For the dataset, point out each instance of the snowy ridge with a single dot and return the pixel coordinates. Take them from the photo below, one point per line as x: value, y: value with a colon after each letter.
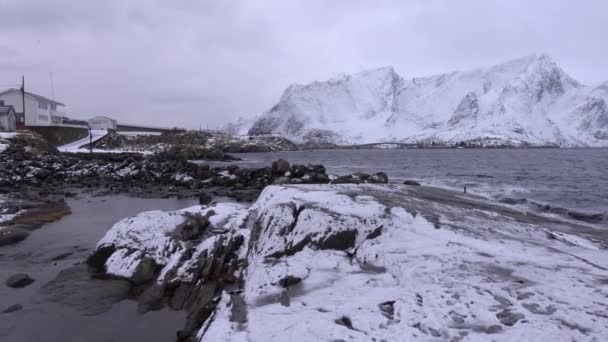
x: 527, y: 101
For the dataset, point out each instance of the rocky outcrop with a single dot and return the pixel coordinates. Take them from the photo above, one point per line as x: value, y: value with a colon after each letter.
x: 181, y: 259
x: 194, y: 140
x: 123, y: 171
x: 361, y: 178
x: 364, y: 262
x: 27, y: 143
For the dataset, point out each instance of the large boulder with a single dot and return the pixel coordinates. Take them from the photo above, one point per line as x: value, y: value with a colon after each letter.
x: 378, y: 178
x: 279, y: 167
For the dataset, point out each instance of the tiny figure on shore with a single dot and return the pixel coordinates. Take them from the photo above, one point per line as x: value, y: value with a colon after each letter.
x: 465, y: 189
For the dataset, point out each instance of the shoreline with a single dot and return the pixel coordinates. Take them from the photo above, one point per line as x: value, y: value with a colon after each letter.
x: 437, y: 209
x: 195, y: 261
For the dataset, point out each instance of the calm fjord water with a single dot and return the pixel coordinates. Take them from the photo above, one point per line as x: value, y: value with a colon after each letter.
x: 568, y: 178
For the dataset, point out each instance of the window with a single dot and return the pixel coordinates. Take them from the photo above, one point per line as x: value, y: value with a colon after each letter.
x: 43, y: 117
x: 43, y: 105
x: 53, y: 107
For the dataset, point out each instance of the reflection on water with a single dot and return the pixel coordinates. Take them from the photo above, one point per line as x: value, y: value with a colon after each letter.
x: 72, y: 308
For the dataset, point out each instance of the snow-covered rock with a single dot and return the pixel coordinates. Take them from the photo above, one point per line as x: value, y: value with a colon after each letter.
x: 376, y: 262
x: 360, y: 263
x: 527, y: 101
x: 163, y: 240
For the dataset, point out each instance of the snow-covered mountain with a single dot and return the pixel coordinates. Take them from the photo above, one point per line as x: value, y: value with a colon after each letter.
x: 240, y: 126
x: 527, y: 101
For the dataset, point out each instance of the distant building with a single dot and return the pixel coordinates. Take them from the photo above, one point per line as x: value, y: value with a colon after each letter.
x: 102, y: 122
x: 8, y: 119
x: 39, y: 110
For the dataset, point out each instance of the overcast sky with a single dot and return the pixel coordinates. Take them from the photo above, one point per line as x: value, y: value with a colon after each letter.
x: 196, y: 63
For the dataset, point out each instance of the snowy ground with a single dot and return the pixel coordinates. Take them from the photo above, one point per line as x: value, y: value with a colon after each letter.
x: 4, y: 137
x: 138, y: 133
x: 389, y: 263
x: 4, y: 212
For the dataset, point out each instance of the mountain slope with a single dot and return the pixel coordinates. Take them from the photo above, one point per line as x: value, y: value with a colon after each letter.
x: 527, y: 101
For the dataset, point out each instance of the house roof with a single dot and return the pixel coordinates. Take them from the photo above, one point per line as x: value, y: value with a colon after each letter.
x: 37, y: 97
x: 6, y: 110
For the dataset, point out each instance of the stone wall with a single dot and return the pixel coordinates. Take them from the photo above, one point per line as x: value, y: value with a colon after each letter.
x: 60, y: 135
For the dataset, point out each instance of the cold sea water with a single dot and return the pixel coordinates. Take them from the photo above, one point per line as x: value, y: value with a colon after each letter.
x: 556, y: 181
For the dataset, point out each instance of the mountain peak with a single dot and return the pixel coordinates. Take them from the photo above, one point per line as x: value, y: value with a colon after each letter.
x: 382, y: 71
x: 527, y: 100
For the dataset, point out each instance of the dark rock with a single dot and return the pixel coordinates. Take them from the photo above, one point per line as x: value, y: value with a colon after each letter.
x: 97, y: 260
x: 179, y: 296
x: 388, y: 309
x: 379, y: 178
x: 204, y: 198
x: 509, y: 318
x: 346, y: 322
x: 346, y: 180
x: 298, y: 171
x: 361, y: 176
x: 151, y: 299
x: 279, y: 167
x: 493, y: 329
x: 12, y: 235
x: 43, y: 174
x: 320, y: 169
x: 340, y: 240
x: 145, y: 271
x: 375, y: 233
x: 13, y: 308
x: 289, y: 280
x: 193, y: 227
x: 19, y: 280
x: 411, y: 182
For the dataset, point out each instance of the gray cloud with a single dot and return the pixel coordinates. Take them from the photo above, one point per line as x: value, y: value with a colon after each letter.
x: 192, y: 63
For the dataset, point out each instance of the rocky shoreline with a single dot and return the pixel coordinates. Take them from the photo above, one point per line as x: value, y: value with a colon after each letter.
x: 304, y: 253
x: 361, y: 262
x: 34, y: 174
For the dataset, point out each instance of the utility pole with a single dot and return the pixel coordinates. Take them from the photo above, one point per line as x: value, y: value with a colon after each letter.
x: 23, y: 97
x: 90, y: 140
x: 52, y: 87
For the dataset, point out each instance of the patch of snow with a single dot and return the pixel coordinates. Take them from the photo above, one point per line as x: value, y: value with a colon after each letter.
x: 138, y: 133
x: 8, y: 135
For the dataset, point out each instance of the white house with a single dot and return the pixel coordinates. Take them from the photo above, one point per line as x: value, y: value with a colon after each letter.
x: 8, y: 121
x: 39, y: 110
x: 102, y: 122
